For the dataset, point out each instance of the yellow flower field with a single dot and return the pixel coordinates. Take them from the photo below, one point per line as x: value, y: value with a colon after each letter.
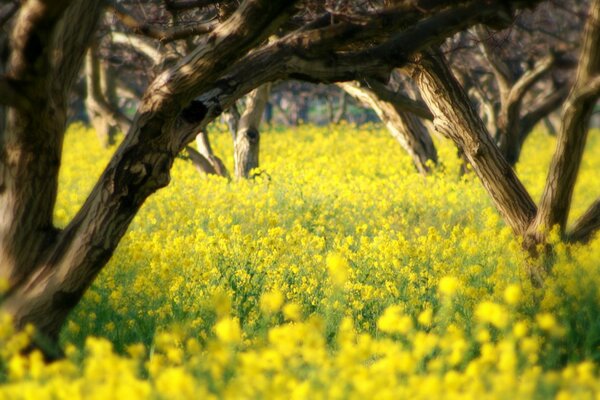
x: 337, y: 273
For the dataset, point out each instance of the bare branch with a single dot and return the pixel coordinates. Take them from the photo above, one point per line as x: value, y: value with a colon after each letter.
x: 402, y: 101
x: 139, y: 43
x: 548, y: 104
x: 530, y: 77
x: 163, y: 35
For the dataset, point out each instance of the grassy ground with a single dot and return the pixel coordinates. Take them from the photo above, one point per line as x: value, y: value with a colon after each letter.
x: 338, y: 273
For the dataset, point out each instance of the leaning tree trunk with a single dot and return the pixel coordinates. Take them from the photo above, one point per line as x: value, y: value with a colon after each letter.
x: 455, y: 118
x: 204, y: 159
x: 247, y: 140
x: 404, y: 126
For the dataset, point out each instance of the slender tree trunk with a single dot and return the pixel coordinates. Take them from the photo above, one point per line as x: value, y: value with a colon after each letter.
x: 405, y: 127
x: 247, y: 141
x: 96, y: 102
x: 342, y: 106
x: 204, y: 158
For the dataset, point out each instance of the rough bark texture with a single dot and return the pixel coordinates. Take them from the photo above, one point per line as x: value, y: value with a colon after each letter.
x: 247, y: 140
x: 455, y: 118
x: 577, y: 111
x: 404, y: 126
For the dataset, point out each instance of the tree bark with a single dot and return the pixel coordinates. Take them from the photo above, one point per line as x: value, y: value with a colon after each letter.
x: 31, y: 144
x: 247, y: 140
x: 405, y: 127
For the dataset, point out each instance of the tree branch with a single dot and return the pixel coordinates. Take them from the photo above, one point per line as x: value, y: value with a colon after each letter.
x: 530, y: 77
x: 587, y: 225
x: 547, y: 105
x: 139, y: 43
x: 399, y: 99
x: 163, y: 35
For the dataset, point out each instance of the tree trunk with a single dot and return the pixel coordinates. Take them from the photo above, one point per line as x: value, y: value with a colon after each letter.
x: 342, y: 106
x: 405, y: 127
x: 204, y: 159
x: 97, y: 103
x: 455, y: 118
x: 247, y: 141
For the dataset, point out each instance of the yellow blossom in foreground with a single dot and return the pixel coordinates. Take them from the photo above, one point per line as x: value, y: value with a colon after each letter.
x: 425, y: 318
x: 394, y: 321
x: 513, y: 294
x: 292, y: 312
x: 203, y: 299
x: 492, y: 313
x: 271, y: 302
x: 228, y: 330
x: 449, y: 285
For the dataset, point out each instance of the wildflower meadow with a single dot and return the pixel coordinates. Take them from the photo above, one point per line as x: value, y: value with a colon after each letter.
x: 337, y: 272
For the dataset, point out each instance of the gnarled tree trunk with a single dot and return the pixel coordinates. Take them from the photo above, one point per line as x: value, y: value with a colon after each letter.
x: 247, y: 138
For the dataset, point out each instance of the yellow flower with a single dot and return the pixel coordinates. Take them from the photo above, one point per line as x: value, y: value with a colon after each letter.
x: 394, y: 321
x: 228, y: 330
x: 492, y: 313
x: 338, y: 268
x: 271, y: 302
x: 425, y: 317
x: 448, y: 285
x: 513, y: 294
x: 292, y: 312
x: 546, y: 321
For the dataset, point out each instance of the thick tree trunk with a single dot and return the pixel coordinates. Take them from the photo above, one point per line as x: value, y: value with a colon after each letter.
x: 455, y: 118
x: 405, y: 127
x: 247, y: 140
x: 31, y: 144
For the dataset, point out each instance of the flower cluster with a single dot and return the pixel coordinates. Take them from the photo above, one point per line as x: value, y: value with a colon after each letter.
x: 338, y: 272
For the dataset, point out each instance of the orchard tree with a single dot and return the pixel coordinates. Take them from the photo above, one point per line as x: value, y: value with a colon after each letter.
x: 49, y: 269
x: 455, y: 117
